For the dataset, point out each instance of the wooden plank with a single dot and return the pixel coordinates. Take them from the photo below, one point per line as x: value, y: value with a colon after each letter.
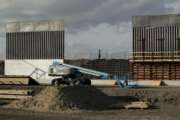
x: 137, y: 105
x: 15, y: 92
x: 15, y: 81
x: 14, y: 97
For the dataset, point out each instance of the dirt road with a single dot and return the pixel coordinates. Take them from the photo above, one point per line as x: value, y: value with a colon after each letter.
x: 168, y: 113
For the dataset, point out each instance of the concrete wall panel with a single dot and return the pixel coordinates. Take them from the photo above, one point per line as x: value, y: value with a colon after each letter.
x: 37, y: 69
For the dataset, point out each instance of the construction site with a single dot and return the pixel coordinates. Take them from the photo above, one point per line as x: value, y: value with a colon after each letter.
x: 38, y: 82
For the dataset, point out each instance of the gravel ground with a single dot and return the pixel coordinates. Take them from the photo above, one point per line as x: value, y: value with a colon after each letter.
x: 167, y: 113
x: 166, y: 107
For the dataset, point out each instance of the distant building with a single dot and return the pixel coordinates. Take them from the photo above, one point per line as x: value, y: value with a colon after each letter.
x: 156, y: 47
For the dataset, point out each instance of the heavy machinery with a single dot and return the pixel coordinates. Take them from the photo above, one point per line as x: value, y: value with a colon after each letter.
x: 73, y: 75
x: 66, y: 75
x: 59, y: 74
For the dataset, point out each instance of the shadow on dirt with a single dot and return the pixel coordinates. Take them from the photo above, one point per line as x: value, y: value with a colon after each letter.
x: 91, y: 98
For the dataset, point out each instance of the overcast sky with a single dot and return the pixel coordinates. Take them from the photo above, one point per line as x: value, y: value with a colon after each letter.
x: 90, y: 24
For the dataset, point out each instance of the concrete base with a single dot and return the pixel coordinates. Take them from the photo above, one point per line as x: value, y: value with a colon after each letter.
x: 103, y: 82
x: 172, y: 82
x: 155, y: 83
x: 37, y: 69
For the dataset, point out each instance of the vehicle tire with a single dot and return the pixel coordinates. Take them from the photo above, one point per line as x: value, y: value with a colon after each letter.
x: 86, y: 81
x: 77, y: 82
x: 71, y: 84
x: 56, y: 82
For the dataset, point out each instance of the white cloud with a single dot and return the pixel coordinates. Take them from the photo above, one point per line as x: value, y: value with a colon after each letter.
x: 174, y: 5
x: 104, y: 22
x: 4, y: 4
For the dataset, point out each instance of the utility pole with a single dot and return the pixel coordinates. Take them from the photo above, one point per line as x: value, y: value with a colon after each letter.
x: 99, y: 54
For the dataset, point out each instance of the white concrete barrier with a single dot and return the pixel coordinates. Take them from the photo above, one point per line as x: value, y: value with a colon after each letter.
x: 172, y: 82
x: 150, y: 83
x: 155, y: 83
x: 99, y: 82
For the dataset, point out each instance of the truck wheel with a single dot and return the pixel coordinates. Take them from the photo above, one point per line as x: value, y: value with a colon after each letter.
x: 71, y: 84
x: 87, y: 82
x: 55, y: 82
x: 77, y: 82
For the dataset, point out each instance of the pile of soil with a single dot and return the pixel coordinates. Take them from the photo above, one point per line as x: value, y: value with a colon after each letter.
x: 65, y: 99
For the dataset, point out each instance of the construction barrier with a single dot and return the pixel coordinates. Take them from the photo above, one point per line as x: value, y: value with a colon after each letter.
x: 99, y: 82
x: 151, y: 83
x: 175, y: 83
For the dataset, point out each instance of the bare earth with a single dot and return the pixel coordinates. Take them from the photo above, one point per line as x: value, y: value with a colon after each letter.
x: 169, y: 113
x: 166, y: 106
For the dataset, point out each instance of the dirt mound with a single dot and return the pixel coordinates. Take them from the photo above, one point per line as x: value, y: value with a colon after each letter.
x: 65, y: 98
